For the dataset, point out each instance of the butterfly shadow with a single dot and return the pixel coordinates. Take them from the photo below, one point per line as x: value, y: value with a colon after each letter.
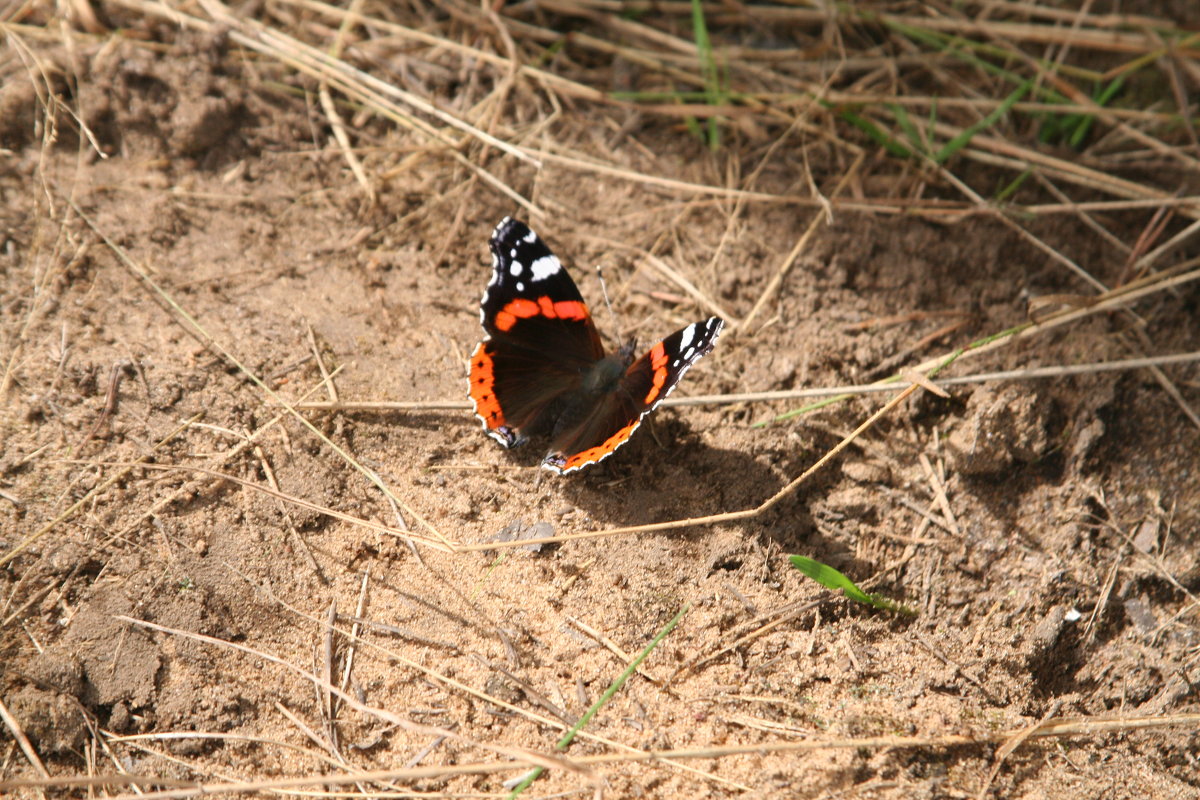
x: 666, y: 473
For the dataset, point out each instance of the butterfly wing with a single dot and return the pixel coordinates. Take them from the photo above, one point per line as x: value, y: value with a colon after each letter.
x: 644, y: 385
x: 541, y: 337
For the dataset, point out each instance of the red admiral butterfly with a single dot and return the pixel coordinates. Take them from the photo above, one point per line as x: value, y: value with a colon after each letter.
x: 542, y: 368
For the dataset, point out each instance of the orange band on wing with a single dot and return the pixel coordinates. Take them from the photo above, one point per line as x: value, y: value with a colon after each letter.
x: 658, y: 363
x: 571, y: 309
x: 524, y: 308
x: 520, y: 308
x: 593, y: 454
x: 483, y: 389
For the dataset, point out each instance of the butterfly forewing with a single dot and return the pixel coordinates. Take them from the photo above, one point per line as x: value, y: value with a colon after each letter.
x: 531, y: 302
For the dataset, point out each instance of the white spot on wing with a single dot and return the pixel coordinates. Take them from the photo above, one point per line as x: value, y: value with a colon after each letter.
x: 516, y: 268
x: 531, y: 237
x: 688, y: 334
x: 520, y: 286
x: 544, y: 267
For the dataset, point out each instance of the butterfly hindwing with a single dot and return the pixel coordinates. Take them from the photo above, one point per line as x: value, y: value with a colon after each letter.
x: 645, y: 384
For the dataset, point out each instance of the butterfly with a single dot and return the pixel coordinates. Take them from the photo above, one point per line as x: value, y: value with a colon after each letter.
x: 542, y: 369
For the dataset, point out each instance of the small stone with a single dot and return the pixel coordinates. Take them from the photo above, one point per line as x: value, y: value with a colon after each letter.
x: 1004, y: 428
x: 1141, y: 614
x: 52, y: 722
x: 1047, y: 632
x: 1146, y: 537
x: 517, y: 529
x: 867, y: 472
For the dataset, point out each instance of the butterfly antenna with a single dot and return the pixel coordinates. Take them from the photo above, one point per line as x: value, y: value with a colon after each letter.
x: 604, y: 291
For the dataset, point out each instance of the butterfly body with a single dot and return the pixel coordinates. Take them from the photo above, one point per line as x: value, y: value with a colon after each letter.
x: 543, y: 369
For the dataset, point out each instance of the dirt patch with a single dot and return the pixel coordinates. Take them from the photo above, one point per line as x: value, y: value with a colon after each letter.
x: 1045, y: 531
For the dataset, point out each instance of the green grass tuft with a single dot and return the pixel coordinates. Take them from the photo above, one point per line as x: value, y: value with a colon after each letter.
x: 830, y: 578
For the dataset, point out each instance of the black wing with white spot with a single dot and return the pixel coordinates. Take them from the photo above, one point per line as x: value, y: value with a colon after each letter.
x: 541, y: 338
x: 532, y: 302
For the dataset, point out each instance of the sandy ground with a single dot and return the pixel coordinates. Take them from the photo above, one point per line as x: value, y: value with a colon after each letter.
x: 1045, y: 531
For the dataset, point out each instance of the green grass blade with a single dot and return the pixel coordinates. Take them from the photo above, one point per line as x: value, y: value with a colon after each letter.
x: 703, y: 44
x: 660, y: 97
x: 829, y: 577
x: 708, y: 69
x: 882, y: 138
x: 961, y: 140
x: 906, y: 125
x: 604, y: 698
x: 966, y: 49
x: 1012, y: 187
x: 1085, y: 124
x: 832, y: 579
x: 550, y: 52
